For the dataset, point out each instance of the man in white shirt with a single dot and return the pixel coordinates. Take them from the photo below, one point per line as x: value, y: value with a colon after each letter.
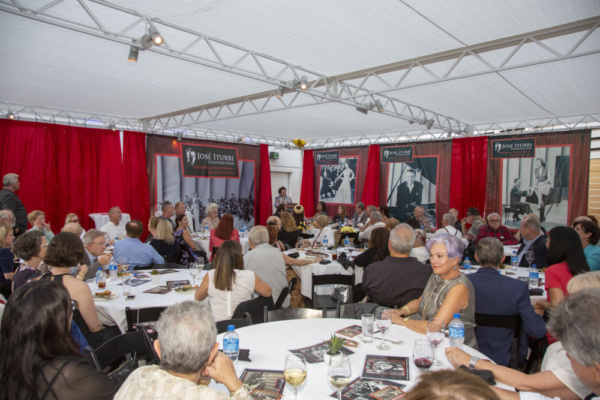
x: 449, y: 227
x: 114, y: 228
x: 375, y: 221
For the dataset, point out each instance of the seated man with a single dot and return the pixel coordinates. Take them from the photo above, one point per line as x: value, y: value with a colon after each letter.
x: 515, y: 200
x: 189, y: 358
x: 167, y: 211
x: 94, y: 243
x: 266, y: 262
x: 471, y: 224
x: 533, y: 239
x: 495, y: 229
x: 114, y: 228
x: 399, y: 278
x: 502, y: 295
x: 422, y: 218
x: 448, y: 226
x: 139, y: 254
x: 360, y: 215
x: 375, y: 221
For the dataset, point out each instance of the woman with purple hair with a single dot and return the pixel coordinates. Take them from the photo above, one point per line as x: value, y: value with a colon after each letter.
x: 447, y: 292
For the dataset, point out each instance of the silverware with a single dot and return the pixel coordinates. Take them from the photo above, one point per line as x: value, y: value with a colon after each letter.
x: 394, y: 341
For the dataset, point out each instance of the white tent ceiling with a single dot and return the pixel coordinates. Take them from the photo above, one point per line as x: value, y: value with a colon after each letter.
x: 471, y: 66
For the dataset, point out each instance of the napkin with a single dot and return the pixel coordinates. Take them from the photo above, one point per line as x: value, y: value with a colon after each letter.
x: 294, y: 255
x: 536, y: 292
x: 487, y: 376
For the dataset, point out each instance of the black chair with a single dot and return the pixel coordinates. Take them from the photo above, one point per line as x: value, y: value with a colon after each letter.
x: 333, y: 279
x: 133, y: 345
x: 172, y: 258
x: 214, y: 253
x: 354, y: 310
x: 284, y: 314
x: 285, y: 292
x: 254, y: 307
x: 139, y: 316
x: 512, y: 322
x: 6, y: 289
x: 538, y: 349
x: 237, y: 322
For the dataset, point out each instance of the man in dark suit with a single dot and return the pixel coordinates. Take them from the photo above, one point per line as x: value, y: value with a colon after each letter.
x: 10, y: 201
x: 360, y: 215
x: 532, y: 239
x: 515, y: 200
x: 410, y: 193
x: 94, y: 242
x: 497, y: 294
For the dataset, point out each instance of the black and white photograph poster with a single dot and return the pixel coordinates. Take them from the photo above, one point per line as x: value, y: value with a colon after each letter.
x: 539, y: 184
x: 337, y: 183
x: 412, y: 184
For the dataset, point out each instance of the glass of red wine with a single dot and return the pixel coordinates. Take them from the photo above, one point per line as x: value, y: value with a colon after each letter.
x: 423, y: 354
x: 435, y: 333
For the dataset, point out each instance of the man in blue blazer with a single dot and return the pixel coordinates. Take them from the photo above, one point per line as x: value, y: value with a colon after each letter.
x: 497, y: 294
x: 532, y: 239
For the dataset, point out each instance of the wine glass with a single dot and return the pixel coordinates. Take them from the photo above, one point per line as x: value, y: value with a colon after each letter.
x: 435, y: 333
x: 339, y: 373
x: 299, y: 242
x: 199, y: 264
x: 530, y: 256
x: 294, y: 371
x: 383, y: 322
x: 194, y: 273
x: 423, y: 354
x: 123, y: 263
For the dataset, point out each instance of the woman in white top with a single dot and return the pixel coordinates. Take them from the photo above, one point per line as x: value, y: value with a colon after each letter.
x: 212, y: 219
x: 229, y: 284
x: 325, y: 231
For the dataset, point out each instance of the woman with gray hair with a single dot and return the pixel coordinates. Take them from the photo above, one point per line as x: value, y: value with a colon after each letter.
x: 212, y: 219
x: 448, y: 291
x: 189, y: 358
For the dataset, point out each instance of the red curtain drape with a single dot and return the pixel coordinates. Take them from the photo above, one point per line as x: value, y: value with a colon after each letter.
x: 469, y: 174
x: 307, y: 192
x: 136, y: 177
x: 264, y: 200
x: 370, y: 194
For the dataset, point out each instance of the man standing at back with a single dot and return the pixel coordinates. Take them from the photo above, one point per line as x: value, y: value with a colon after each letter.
x: 399, y: 278
x: 114, y: 228
x: 10, y: 201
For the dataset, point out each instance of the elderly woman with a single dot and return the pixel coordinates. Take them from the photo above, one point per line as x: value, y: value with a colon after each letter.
x: 65, y: 251
x: 289, y: 232
x: 7, y: 258
x: 184, y: 239
x: 325, y: 232
x: 31, y: 248
x: 229, y: 284
x: 37, y: 219
x: 164, y: 241
x: 224, y: 231
x: 448, y: 291
x: 212, y: 218
x: 419, y: 251
x: 35, y: 326
x: 72, y: 217
x: 589, y: 233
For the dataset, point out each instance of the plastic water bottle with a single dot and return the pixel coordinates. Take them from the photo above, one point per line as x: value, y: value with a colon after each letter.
x: 514, y: 261
x: 113, y: 267
x: 457, y: 332
x: 346, y: 242
x: 100, y: 278
x: 206, y: 230
x: 534, y: 276
x: 231, y: 344
x: 325, y: 242
x: 467, y: 264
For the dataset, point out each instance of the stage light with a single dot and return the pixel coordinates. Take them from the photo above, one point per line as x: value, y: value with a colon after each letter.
x: 303, y: 83
x: 363, y: 110
x: 156, y: 38
x: 10, y: 115
x: 112, y: 126
x: 280, y: 91
x: 379, y: 106
x: 429, y: 124
x: 133, y: 54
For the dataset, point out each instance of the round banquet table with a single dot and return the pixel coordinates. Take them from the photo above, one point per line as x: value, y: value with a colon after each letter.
x: 199, y: 238
x: 270, y: 343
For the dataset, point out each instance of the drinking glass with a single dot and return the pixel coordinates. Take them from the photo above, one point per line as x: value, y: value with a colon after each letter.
x: 123, y: 263
x: 435, y: 333
x: 127, y: 283
x: 367, y: 321
x: 299, y: 242
x: 194, y: 273
x: 294, y: 371
x: 423, y: 354
x: 383, y: 321
x: 530, y: 256
x: 199, y: 264
x: 339, y: 373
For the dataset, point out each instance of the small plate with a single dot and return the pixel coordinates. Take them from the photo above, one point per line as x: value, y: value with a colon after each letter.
x: 112, y: 297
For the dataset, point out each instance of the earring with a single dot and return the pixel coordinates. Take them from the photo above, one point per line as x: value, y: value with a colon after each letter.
x: 455, y: 267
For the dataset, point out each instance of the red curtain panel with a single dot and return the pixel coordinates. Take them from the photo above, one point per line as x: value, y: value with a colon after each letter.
x: 137, y: 192
x: 307, y: 192
x: 370, y: 194
x: 265, y: 202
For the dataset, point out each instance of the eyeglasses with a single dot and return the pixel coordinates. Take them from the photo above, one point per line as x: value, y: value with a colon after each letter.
x: 75, y: 220
x: 73, y: 305
x: 495, y: 220
x: 101, y: 244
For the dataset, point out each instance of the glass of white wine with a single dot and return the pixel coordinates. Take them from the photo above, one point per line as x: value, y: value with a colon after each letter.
x: 339, y: 373
x: 199, y: 264
x: 294, y: 371
x: 194, y: 273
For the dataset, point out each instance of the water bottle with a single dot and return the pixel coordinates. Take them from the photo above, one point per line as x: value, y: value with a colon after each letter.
x: 325, y: 242
x: 113, y: 267
x: 457, y: 332
x: 534, y: 276
x: 467, y: 264
x: 231, y: 344
x: 206, y: 230
x: 514, y: 261
x: 100, y: 278
x: 346, y: 242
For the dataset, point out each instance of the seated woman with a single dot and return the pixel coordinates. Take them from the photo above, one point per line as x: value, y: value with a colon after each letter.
x: 65, y: 251
x: 378, y: 248
x: 419, y: 251
x: 37, y: 219
x: 31, y: 248
x: 7, y: 257
x: 450, y: 385
x: 184, y: 239
x: 152, y: 224
x: 589, y: 233
x: 224, y: 231
x: 448, y: 291
x: 321, y: 210
x: 229, y: 284
x: 325, y: 232
x: 391, y: 223
x: 287, y: 259
x: 212, y: 219
x: 164, y: 242
x: 299, y: 217
x: 72, y: 217
x: 35, y: 325
x: 289, y: 232
x: 341, y: 215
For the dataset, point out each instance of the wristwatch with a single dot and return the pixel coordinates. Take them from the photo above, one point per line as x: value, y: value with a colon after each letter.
x: 473, y: 362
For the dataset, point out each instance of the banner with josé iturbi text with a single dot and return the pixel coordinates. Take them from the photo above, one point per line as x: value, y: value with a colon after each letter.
x: 209, y: 161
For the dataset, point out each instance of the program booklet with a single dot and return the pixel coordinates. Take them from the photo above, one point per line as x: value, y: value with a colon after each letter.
x: 176, y: 284
x: 350, y: 331
x: 314, y: 353
x: 264, y: 384
x: 158, y: 290
x: 386, y: 367
x: 378, y: 389
x: 168, y: 271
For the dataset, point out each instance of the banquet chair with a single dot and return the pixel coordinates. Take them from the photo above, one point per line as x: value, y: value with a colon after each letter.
x: 285, y: 292
x: 172, y: 258
x: 327, y: 300
x: 284, y: 314
x: 354, y: 310
x: 141, y: 316
x: 237, y: 322
x: 512, y: 322
x: 254, y: 307
x: 128, y: 346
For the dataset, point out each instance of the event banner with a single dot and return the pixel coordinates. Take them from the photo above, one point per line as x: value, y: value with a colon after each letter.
x: 513, y: 148
x: 209, y: 161
x: 401, y: 154
x: 327, y: 158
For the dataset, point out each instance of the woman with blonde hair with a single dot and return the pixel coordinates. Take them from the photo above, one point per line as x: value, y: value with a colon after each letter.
x: 152, y: 224
x: 289, y: 231
x: 7, y: 258
x: 72, y: 217
x: 229, y: 284
x: 164, y: 242
x: 37, y: 219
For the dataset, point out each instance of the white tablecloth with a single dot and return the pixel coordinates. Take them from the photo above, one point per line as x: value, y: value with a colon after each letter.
x: 270, y: 343
x: 101, y: 219
x: 521, y: 273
